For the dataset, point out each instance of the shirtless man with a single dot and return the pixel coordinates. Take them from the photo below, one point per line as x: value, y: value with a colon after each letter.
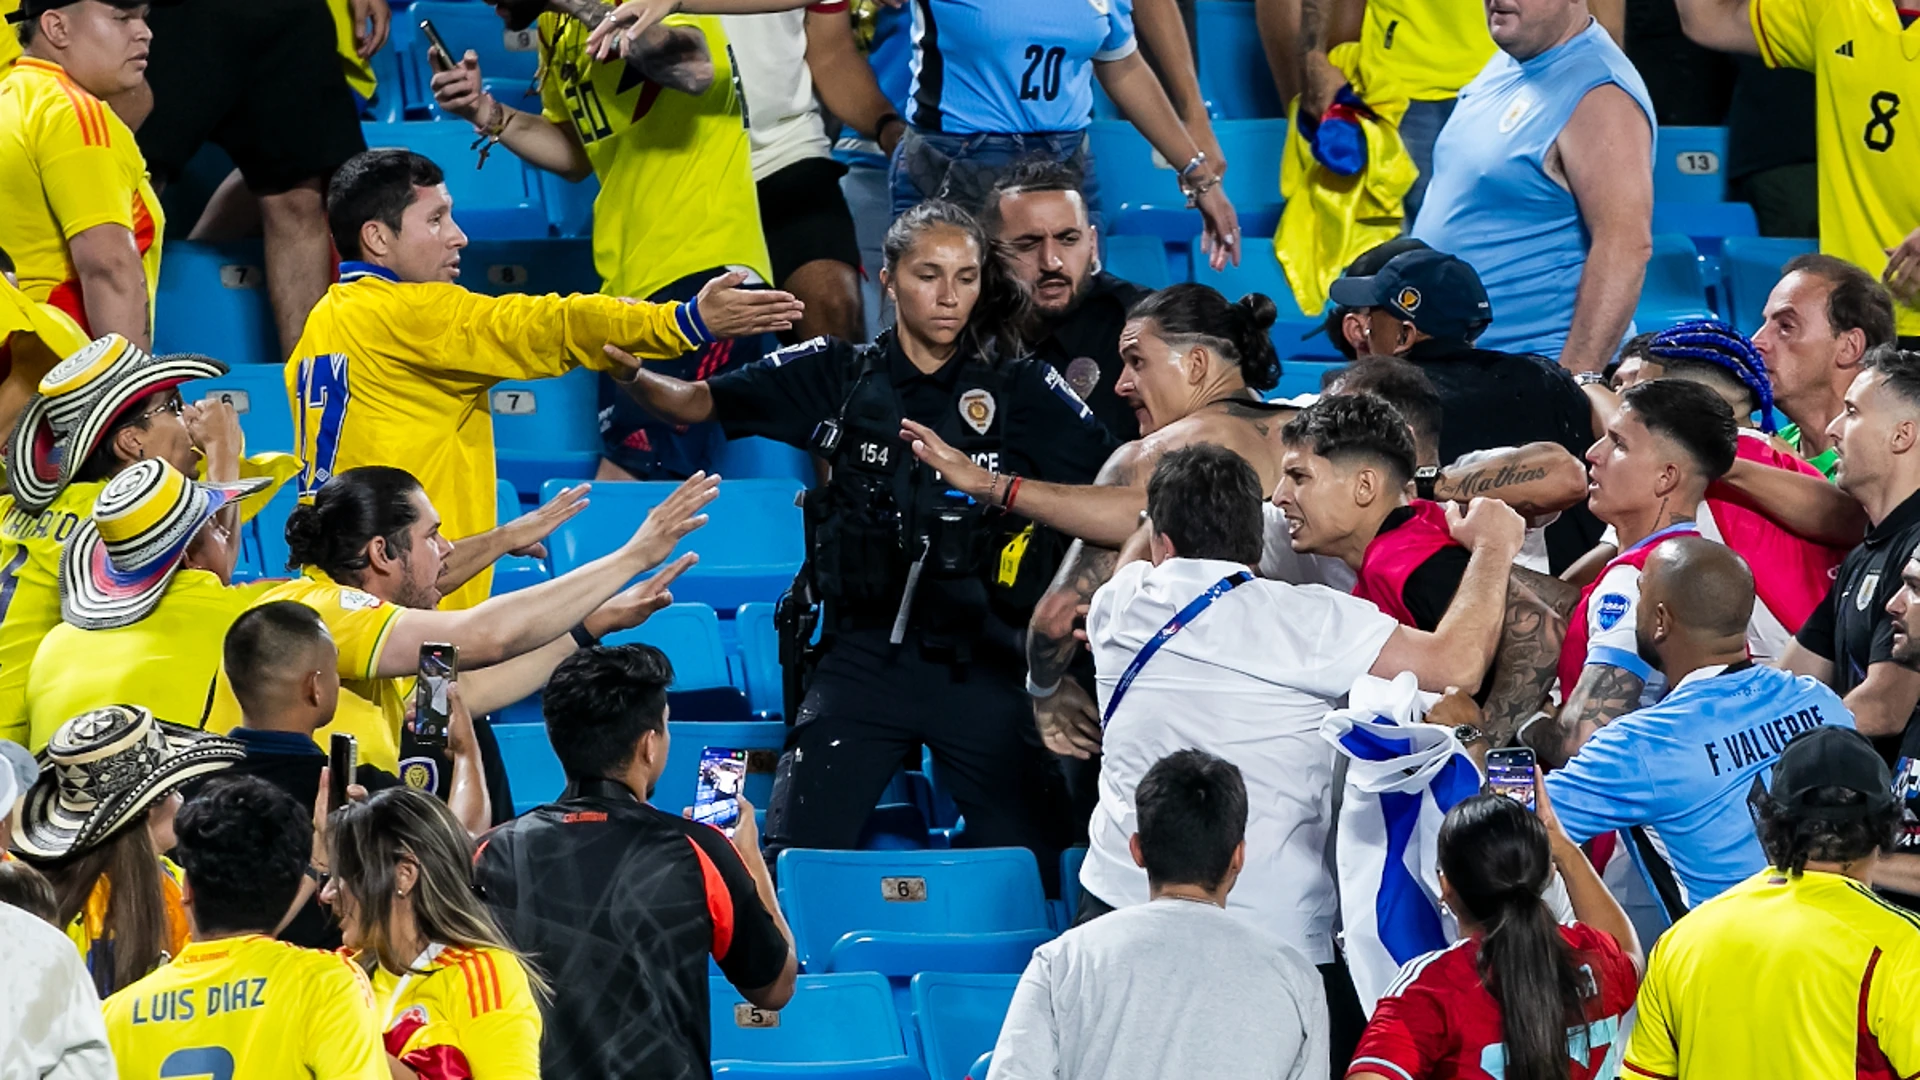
x: 1194, y: 366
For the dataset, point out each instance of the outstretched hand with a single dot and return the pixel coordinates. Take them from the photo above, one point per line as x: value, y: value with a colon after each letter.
x: 955, y: 467
x: 731, y: 311
x: 527, y: 531
x: 675, y: 517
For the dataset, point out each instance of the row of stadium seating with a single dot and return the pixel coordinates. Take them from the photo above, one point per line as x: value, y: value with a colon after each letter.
x: 848, y: 1026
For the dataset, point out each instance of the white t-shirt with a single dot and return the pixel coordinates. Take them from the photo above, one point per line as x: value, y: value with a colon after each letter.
x: 770, y: 53
x: 50, y: 1021
x: 1249, y: 679
x: 1174, y: 988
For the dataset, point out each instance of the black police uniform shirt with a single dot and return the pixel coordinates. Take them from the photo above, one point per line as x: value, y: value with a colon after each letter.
x: 1490, y: 400
x: 1852, y: 629
x: 620, y: 905
x: 1046, y: 431
x: 1084, y: 346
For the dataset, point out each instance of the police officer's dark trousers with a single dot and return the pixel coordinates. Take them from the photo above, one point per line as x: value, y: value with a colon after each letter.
x: 870, y: 704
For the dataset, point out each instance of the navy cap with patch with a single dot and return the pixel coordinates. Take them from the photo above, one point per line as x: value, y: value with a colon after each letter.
x: 1438, y: 293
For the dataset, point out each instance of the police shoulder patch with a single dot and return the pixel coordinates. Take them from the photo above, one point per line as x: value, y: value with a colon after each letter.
x: 782, y: 356
x: 1064, y: 391
x: 1612, y: 607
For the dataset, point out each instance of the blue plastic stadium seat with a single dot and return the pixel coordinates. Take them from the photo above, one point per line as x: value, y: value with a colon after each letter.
x: 258, y: 392
x: 903, y: 954
x: 533, y: 772
x: 1675, y: 289
x: 1071, y: 860
x: 1139, y: 259
x: 760, y: 658
x: 893, y: 1068
x: 499, y: 267
x: 1689, y: 165
x: 1234, y: 75
x: 959, y: 1018
x: 547, y: 429
x: 1260, y: 272
x: 754, y: 458
x: 827, y: 894
x: 1141, y: 194
x: 213, y: 300
x: 498, y: 202
x: 690, y: 636
x: 831, y: 1018
x: 388, y: 104
x: 750, y: 549
x: 1708, y: 225
x: 1752, y: 268
x: 263, y: 538
x: 569, y: 205
x: 681, y: 776
x: 513, y: 572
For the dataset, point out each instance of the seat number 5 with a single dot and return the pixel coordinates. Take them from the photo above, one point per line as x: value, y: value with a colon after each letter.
x: 1879, y: 133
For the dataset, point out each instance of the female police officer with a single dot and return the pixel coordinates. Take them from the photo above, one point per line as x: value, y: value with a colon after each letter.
x: 924, y: 590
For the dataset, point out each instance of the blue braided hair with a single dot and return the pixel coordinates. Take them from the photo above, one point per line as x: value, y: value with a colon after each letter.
x: 1714, y: 342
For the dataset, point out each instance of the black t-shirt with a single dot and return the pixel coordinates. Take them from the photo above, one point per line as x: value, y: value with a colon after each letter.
x: 292, y: 763
x: 1771, y: 121
x: 1045, y: 431
x: 1493, y: 400
x: 1092, y: 331
x: 1851, y: 626
x: 620, y: 904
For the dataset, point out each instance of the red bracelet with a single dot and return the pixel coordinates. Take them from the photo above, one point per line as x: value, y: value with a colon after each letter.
x: 1013, y: 492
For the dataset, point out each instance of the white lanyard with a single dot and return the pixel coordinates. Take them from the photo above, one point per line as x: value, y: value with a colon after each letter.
x: 426, y: 957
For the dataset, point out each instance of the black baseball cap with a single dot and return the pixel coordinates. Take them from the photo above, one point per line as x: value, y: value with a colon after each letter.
x: 1368, y: 264
x: 1832, y: 757
x: 33, y: 9
x: 1436, y: 292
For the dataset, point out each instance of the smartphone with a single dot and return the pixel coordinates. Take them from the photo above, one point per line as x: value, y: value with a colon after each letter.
x: 439, y: 666
x: 716, y: 797
x: 440, y: 56
x: 1510, y: 773
x: 343, y: 760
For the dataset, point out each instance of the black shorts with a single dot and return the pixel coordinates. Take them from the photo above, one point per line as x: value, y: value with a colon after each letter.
x: 259, y: 78
x: 805, y: 217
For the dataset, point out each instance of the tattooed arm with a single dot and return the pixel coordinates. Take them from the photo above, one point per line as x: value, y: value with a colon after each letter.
x: 1536, y: 479
x: 1556, y: 594
x: 1524, y: 667
x: 1603, y: 694
x: 676, y: 57
x: 1068, y: 718
x: 1104, y: 513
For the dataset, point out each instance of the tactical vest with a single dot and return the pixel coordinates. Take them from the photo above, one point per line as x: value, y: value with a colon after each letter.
x: 883, y: 510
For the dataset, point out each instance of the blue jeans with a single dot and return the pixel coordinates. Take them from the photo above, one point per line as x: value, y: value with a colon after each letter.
x: 964, y: 168
x: 1419, y: 130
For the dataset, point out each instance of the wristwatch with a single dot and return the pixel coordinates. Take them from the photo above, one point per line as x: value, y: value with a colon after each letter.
x: 1588, y: 378
x: 1468, y: 734
x: 1426, y: 479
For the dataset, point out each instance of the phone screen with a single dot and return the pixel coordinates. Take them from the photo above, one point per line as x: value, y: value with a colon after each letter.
x: 439, y: 666
x: 343, y: 760
x: 1510, y: 773
x: 716, y: 797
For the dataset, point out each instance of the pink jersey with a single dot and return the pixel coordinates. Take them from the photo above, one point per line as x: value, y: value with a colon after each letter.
x: 1395, y: 554
x: 1791, y: 575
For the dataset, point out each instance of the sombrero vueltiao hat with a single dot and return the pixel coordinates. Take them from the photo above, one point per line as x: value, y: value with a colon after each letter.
x: 102, y: 768
x: 77, y: 404
x: 116, y: 566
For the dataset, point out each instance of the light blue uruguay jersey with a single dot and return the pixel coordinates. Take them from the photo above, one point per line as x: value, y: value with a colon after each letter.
x: 1012, y: 66
x: 1683, y: 768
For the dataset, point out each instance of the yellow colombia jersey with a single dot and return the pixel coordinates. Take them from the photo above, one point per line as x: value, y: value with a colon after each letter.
x: 67, y: 164
x: 359, y: 72
x: 30, y: 591
x: 371, y: 709
x: 1723, y: 998
x: 30, y: 579
x: 1431, y: 47
x: 676, y: 183
x: 166, y: 661
x: 398, y: 373
x: 9, y: 41
x: 472, y: 1015
x: 1868, y: 72
x: 248, y: 1008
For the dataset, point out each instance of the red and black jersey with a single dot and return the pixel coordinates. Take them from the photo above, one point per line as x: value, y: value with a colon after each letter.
x: 619, y: 905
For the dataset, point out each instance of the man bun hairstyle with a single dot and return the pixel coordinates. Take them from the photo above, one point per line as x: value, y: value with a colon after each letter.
x: 1690, y: 414
x: 375, y: 185
x: 1191, y: 314
x: 1344, y: 427
x: 332, y: 532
